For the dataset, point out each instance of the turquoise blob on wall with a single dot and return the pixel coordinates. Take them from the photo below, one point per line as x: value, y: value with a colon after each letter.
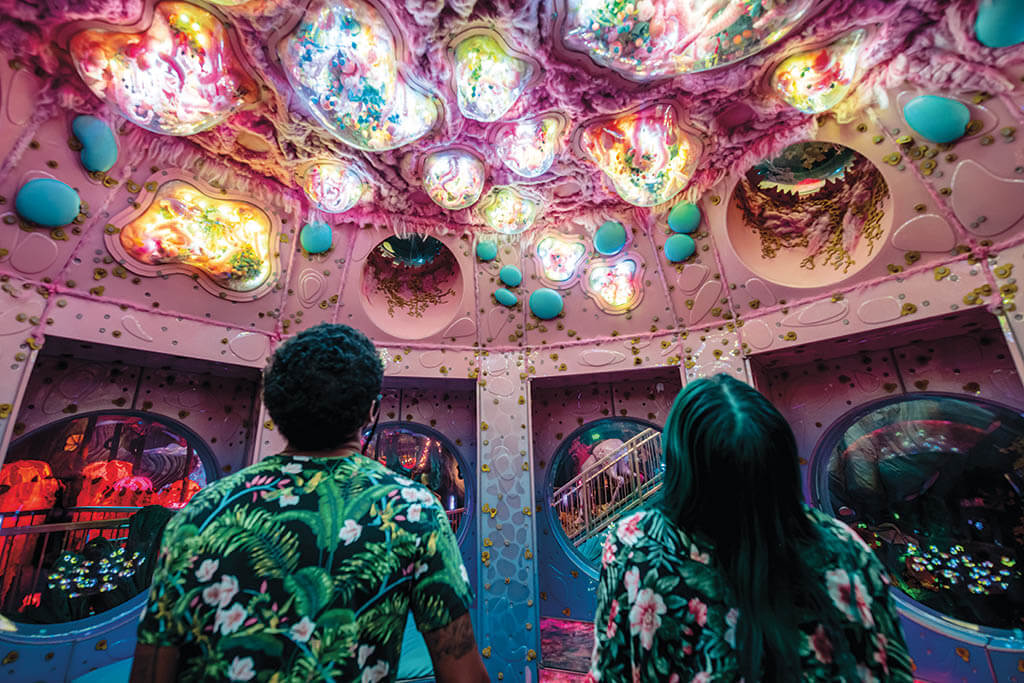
x: 505, y: 297
x: 937, y: 119
x: 546, y: 304
x: 47, y: 202
x: 316, y: 237
x: 679, y: 248
x: 684, y: 217
x: 1000, y: 23
x: 486, y: 251
x: 99, y: 146
x: 510, y: 276
x: 610, y: 238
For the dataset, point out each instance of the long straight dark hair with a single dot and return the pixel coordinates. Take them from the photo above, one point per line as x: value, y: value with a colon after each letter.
x: 732, y: 477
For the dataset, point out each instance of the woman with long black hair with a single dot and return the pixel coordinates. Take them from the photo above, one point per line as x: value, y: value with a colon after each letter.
x: 730, y: 576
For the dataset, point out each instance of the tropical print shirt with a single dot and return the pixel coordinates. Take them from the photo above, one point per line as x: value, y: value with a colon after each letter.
x: 303, y: 569
x: 664, y: 612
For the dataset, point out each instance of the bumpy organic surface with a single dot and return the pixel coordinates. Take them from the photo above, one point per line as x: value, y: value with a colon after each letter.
x: 178, y: 77
x: 488, y: 80
x: 818, y: 80
x: 646, y: 155
x: 227, y: 240
x: 342, y: 58
x: 650, y: 39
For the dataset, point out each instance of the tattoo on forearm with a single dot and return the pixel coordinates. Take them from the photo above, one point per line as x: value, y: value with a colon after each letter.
x: 452, y: 641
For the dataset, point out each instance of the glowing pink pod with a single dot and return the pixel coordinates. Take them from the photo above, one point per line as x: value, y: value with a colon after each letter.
x: 179, y: 76
x: 615, y: 286
x: 227, y: 241
x: 332, y: 186
x: 560, y: 257
x: 509, y: 211
x: 646, y: 154
x: 343, y: 60
x: 453, y: 178
x: 817, y: 80
x: 529, y: 147
x: 646, y: 40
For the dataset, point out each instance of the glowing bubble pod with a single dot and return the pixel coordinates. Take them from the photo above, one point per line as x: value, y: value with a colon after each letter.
x: 615, y: 286
x: 229, y: 242
x: 528, y: 147
x: 818, y: 80
x: 342, y: 59
x: 560, y: 257
x: 453, y: 178
x: 648, y: 157
x: 332, y: 186
x: 180, y: 76
x: 646, y: 40
x: 488, y: 80
x: 508, y: 211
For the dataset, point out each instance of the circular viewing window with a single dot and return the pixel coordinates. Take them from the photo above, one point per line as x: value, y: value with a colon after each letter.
x: 425, y: 456
x: 810, y: 217
x: 934, y: 485
x: 78, y: 537
x: 603, y: 470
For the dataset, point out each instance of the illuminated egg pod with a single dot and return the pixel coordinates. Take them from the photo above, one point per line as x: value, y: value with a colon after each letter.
x: 342, y: 59
x: 332, y: 186
x: 653, y: 39
x: 817, y: 80
x: 645, y: 153
x: 184, y: 226
x: 528, y: 148
x: 488, y: 77
x: 616, y: 286
x: 508, y: 211
x: 560, y: 256
x: 453, y: 178
x: 179, y: 76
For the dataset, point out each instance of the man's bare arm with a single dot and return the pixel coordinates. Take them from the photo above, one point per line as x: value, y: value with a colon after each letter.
x: 154, y: 664
x: 454, y: 653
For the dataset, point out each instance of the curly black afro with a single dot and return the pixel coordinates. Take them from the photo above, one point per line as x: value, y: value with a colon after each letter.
x: 320, y: 385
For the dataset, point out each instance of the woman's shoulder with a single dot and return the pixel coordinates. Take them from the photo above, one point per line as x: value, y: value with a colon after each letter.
x: 841, y: 544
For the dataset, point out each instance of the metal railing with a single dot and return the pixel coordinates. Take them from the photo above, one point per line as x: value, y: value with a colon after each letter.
x: 607, y: 489
x: 29, y: 544
x: 455, y: 518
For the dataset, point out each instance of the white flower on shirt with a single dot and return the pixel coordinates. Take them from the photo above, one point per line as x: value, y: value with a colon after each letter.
x: 463, y: 572
x: 364, y: 653
x: 629, y: 531
x: 241, y: 669
x: 413, y: 514
x: 377, y: 672
x: 222, y: 593
x: 632, y: 581
x: 645, y: 617
x: 303, y: 630
x: 421, y: 569
x: 292, y: 468
x: 206, y: 570
x: 286, y: 499
x: 350, y: 532
x: 229, y: 620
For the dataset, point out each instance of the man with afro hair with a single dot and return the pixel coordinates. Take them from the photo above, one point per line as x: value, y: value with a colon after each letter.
x: 304, y: 566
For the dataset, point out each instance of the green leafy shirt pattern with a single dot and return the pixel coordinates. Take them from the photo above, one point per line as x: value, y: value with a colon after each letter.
x: 303, y: 569
x: 664, y: 612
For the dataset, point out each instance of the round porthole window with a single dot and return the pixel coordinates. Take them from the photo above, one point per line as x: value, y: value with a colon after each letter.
x: 935, y: 485
x: 426, y: 456
x: 602, y: 471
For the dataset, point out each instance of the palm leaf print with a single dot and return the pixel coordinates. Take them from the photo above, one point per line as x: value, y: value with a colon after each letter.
x: 257, y: 533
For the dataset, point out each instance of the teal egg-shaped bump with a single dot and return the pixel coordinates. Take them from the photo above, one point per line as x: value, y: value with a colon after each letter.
x: 610, y: 238
x: 510, y: 276
x: 47, y: 202
x: 486, y: 251
x: 316, y: 237
x: 546, y: 303
x: 505, y: 297
x: 684, y: 217
x: 937, y: 119
x: 679, y: 248
x: 1000, y: 23
x: 99, y: 146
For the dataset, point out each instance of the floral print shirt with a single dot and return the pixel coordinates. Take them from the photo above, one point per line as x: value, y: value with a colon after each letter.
x: 664, y: 613
x: 303, y: 569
